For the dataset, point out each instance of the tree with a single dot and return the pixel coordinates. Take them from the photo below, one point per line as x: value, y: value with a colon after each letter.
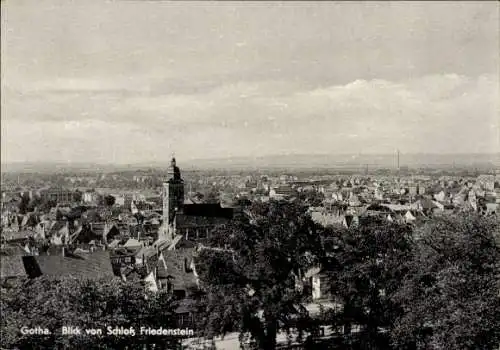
x: 451, y: 296
x: 34, y: 203
x: 213, y: 196
x: 48, y: 204
x: 97, y: 304
x: 366, y: 265
x: 251, y: 286
x: 109, y: 200
x: 77, y: 196
x: 312, y: 197
x: 24, y: 203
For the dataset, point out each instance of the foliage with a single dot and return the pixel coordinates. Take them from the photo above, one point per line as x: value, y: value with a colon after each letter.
x: 312, y: 197
x: 451, y: 296
x: 109, y: 200
x: 251, y: 286
x: 366, y: 264
x: 24, y: 203
x: 212, y: 196
x: 54, y: 303
x: 77, y: 196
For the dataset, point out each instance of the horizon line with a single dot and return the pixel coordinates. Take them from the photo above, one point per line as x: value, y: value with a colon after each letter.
x: 267, y: 155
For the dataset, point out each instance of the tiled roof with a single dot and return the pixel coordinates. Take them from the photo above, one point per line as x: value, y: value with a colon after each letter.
x: 92, y: 265
x: 176, y: 261
x: 207, y: 210
x: 186, y: 221
x: 56, y: 227
x: 132, y: 242
x: 12, y: 266
x: 12, y: 250
x: 146, y: 252
x: 161, y: 269
x: 19, y: 235
x: 175, y: 242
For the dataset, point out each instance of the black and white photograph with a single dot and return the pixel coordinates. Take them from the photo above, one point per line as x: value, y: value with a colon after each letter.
x: 254, y: 175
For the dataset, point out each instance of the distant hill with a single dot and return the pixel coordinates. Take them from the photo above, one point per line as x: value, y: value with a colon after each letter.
x: 43, y: 167
x: 289, y: 161
x: 353, y: 161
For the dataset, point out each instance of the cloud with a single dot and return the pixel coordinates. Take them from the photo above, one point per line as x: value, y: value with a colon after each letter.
x: 438, y: 113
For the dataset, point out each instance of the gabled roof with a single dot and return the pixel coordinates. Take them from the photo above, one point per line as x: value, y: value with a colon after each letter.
x: 207, y: 210
x: 12, y: 266
x: 19, y: 235
x: 92, y: 265
x: 174, y: 242
x: 132, y: 243
x: 187, y: 221
x: 114, y: 243
x: 176, y: 261
x: 146, y: 252
x: 12, y: 250
x: 57, y: 227
x: 30, y: 220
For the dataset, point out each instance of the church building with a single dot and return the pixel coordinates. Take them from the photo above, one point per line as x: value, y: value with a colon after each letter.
x: 192, y: 222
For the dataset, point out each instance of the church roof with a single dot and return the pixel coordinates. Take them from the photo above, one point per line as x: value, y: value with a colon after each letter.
x: 187, y: 221
x: 207, y: 210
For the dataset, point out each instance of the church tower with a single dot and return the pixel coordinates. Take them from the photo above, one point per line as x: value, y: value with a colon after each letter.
x: 173, y: 194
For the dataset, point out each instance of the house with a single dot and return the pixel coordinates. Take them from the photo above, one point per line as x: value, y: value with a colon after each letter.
x: 281, y: 192
x: 85, y: 234
x: 350, y: 220
x: 92, y: 265
x: 17, y: 236
x: 90, y: 197
x: 440, y: 196
x: 186, y: 311
x: 327, y: 219
x: 11, y: 267
x: 176, y: 272
x: 58, y: 195
x: 317, y: 283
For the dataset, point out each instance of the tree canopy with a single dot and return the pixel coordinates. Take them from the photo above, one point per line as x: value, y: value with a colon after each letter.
x: 451, y: 293
x: 250, y: 285
x: 436, y: 286
x: 109, y: 200
x: 87, y: 304
x: 365, y: 264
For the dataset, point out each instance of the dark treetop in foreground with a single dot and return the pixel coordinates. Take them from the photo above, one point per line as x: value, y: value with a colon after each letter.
x: 54, y: 303
x: 251, y: 287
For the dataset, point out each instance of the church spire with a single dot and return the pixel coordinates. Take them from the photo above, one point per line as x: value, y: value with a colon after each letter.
x: 173, y: 194
x: 173, y: 166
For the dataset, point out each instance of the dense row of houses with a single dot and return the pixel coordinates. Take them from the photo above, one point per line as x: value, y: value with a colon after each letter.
x: 154, y: 247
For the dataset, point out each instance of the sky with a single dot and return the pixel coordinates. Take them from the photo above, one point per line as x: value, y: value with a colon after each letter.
x: 133, y: 82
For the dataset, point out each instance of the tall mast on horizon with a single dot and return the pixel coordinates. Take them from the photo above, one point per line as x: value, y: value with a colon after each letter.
x: 398, y: 159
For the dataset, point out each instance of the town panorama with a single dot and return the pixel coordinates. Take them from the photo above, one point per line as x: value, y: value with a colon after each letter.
x: 250, y: 175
